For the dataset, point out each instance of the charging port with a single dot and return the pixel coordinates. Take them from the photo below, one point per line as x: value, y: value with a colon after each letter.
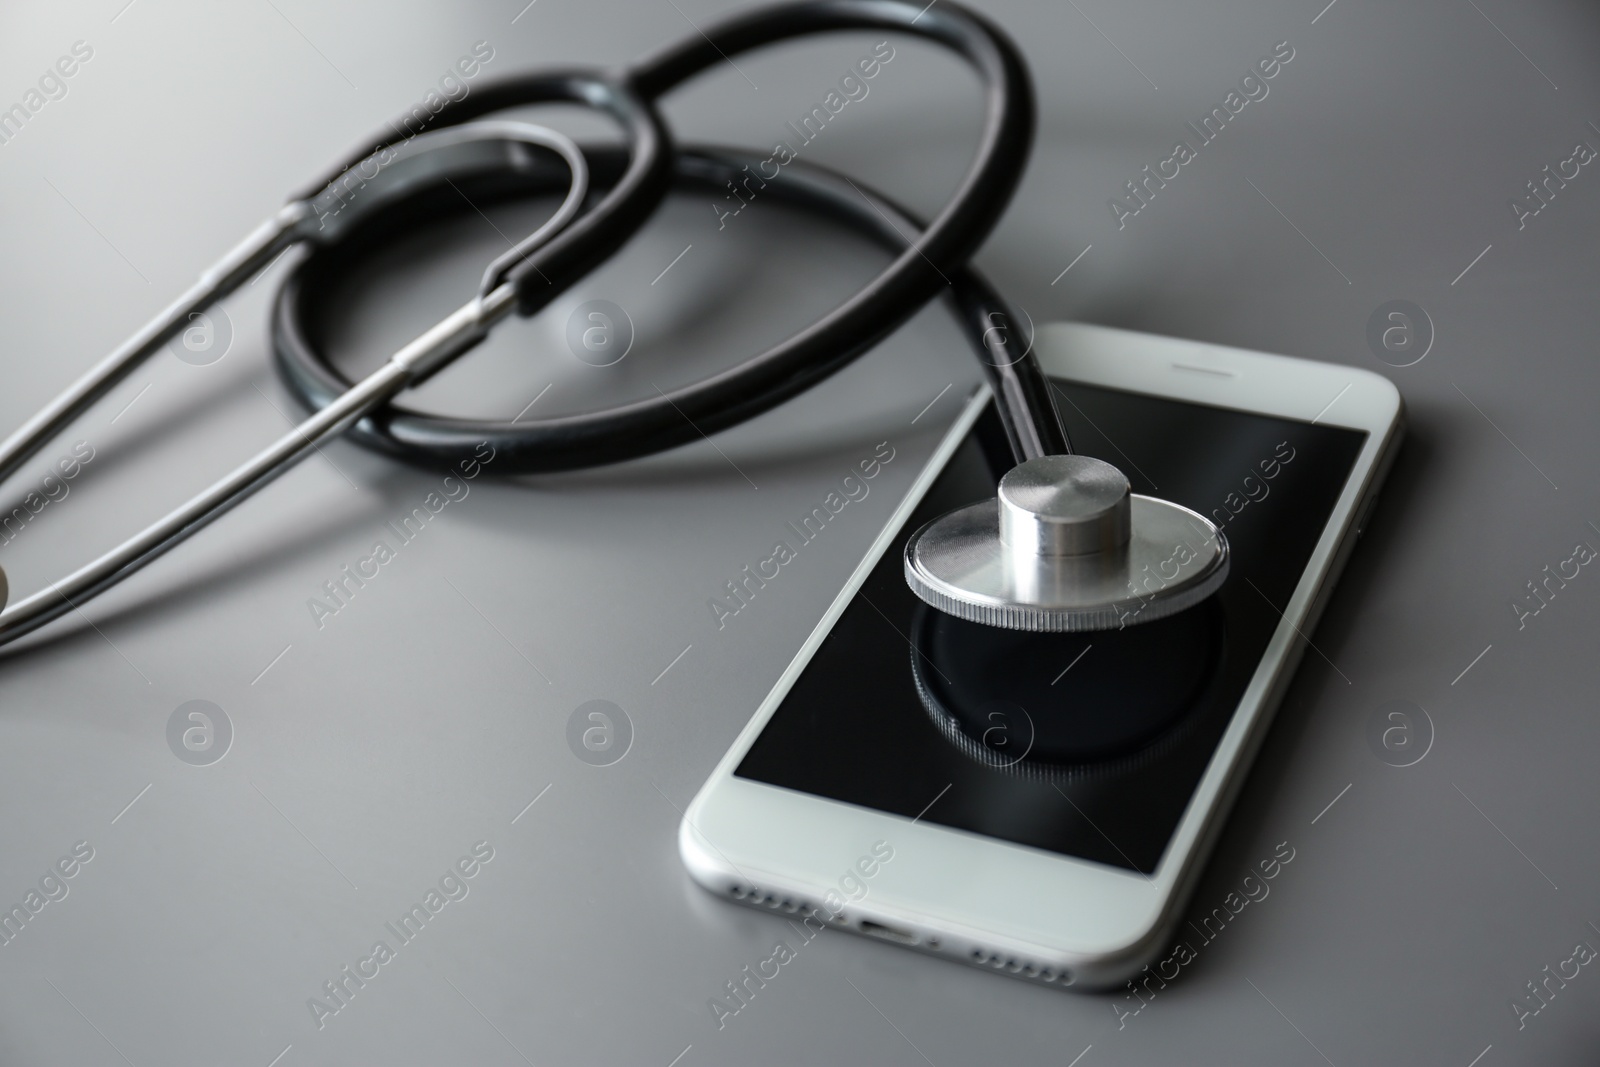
x: 888, y: 933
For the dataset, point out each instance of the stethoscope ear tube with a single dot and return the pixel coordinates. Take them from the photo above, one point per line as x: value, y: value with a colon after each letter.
x: 456, y: 151
x: 399, y: 170
x: 929, y: 257
x: 596, y: 236
x: 307, y: 299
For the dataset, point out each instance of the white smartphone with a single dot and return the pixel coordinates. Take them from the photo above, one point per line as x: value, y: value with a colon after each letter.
x: 1042, y: 804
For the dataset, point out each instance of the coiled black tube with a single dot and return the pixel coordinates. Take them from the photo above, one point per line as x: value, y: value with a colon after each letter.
x: 929, y: 258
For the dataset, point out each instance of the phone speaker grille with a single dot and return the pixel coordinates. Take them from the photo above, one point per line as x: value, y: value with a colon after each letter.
x: 1017, y: 967
x: 760, y: 898
x: 1021, y: 968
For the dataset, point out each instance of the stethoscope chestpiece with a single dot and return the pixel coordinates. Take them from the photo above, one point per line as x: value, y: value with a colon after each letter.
x: 1066, y: 546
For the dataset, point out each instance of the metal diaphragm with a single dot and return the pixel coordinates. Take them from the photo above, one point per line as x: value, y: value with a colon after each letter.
x: 1066, y: 546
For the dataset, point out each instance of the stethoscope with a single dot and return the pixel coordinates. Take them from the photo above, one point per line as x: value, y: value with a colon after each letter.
x: 1064, y: 545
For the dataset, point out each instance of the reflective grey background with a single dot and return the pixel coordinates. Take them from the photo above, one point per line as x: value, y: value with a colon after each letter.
x: 371, y: 754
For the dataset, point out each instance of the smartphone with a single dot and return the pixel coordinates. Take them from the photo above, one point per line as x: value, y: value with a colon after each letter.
x: 1042, y: 805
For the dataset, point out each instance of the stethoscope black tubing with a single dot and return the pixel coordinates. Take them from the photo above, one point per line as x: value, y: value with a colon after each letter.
x: 929, y: 259
x: 530, y: 447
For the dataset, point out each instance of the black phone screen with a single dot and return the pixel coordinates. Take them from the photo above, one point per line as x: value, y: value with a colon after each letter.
x: 1089, y: 745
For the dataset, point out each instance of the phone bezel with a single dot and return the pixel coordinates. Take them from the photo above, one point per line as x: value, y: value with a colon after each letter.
x: 963, y: 889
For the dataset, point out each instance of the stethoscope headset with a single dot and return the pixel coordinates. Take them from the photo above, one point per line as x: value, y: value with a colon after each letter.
x: 1064, y: 545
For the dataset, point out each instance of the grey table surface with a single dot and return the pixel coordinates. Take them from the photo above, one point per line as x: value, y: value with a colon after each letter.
x: 373, y: 748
